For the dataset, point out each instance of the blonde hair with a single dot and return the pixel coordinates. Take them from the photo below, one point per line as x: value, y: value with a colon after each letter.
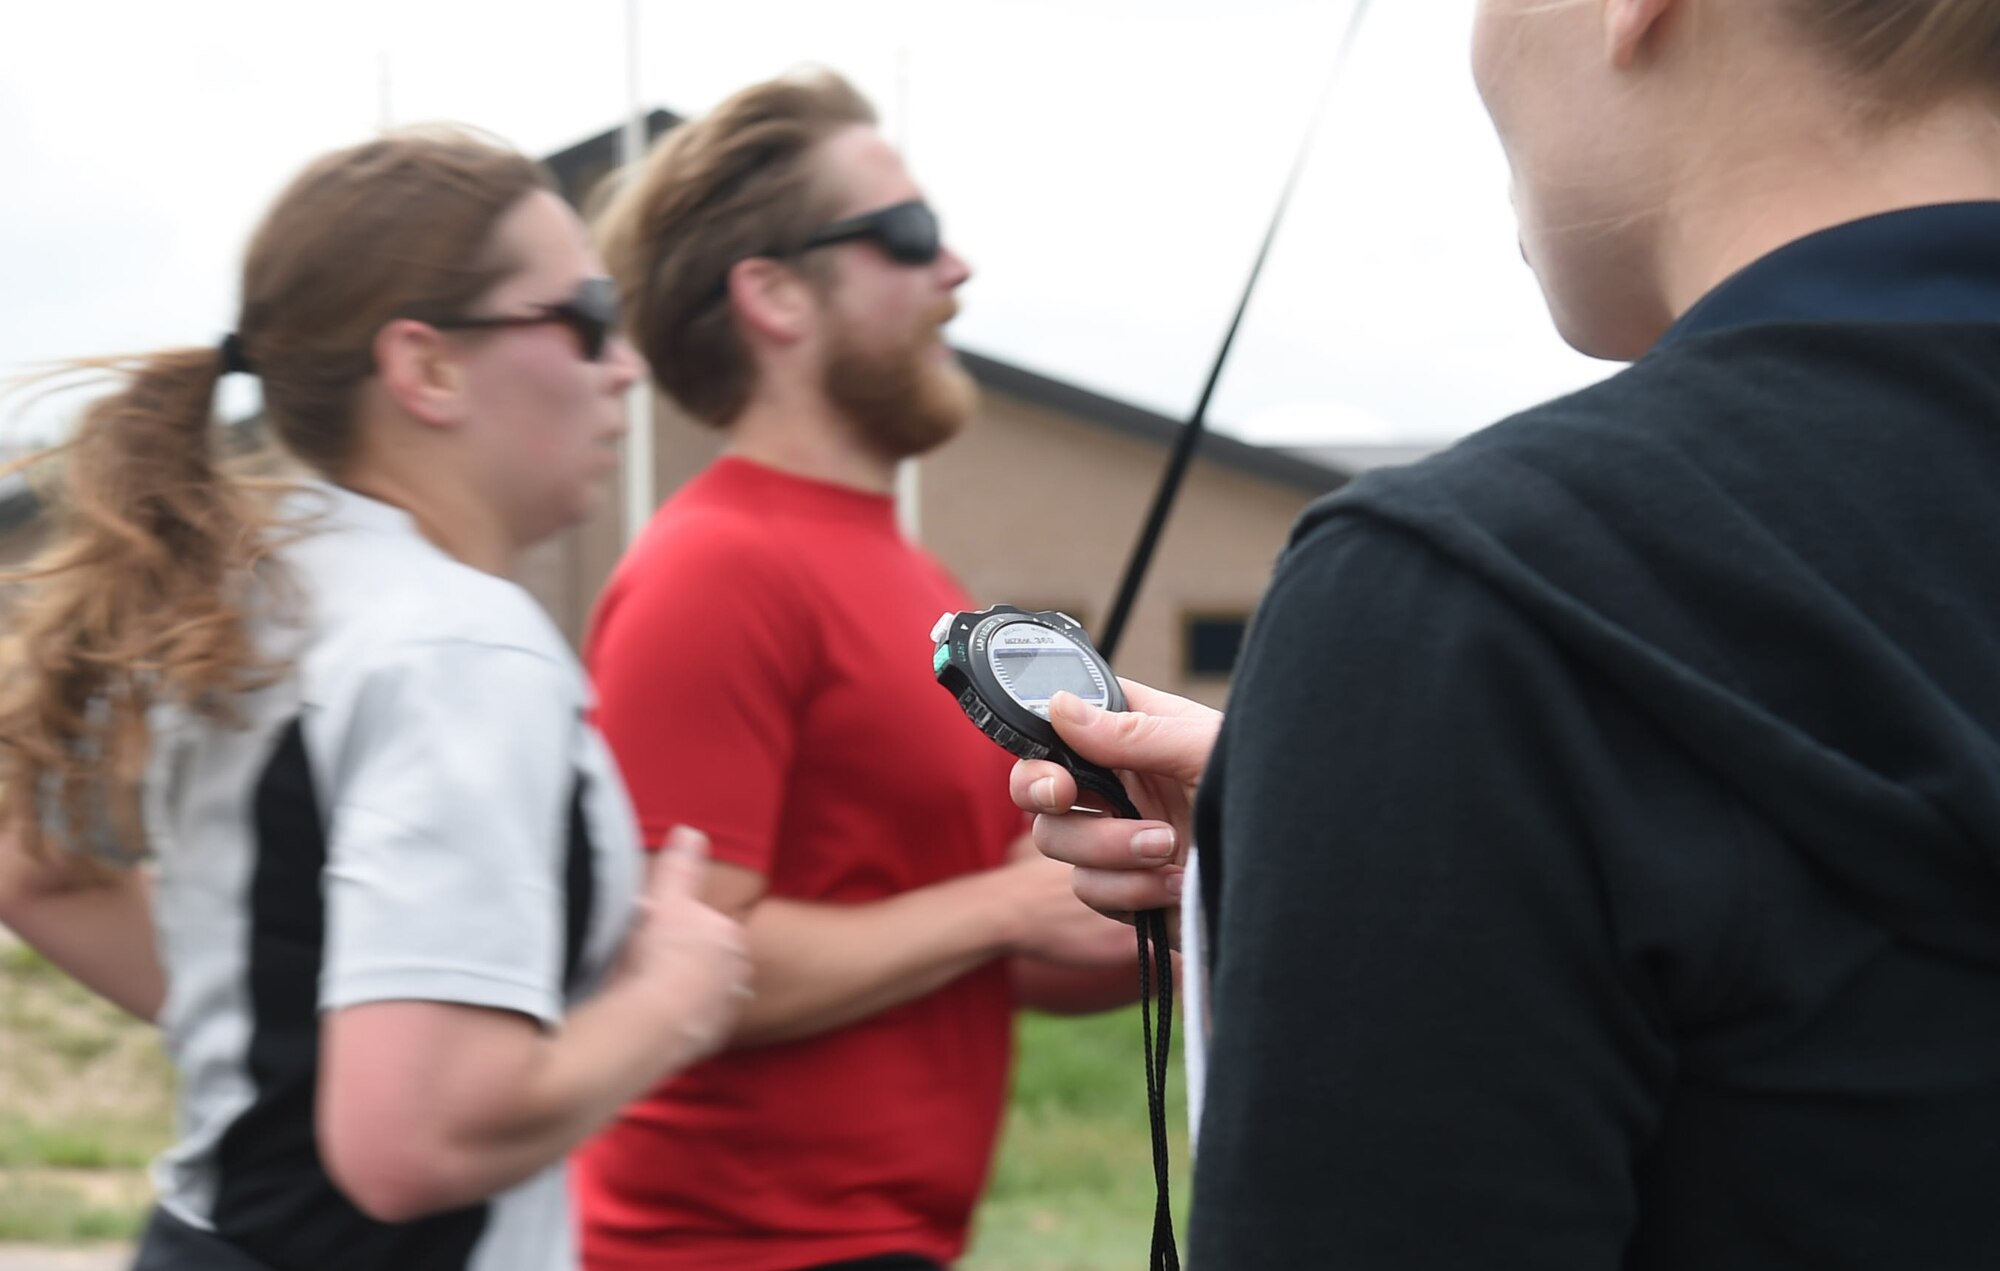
x: 140, y: 596
x: 1910, y: 54
x: 737, y: 183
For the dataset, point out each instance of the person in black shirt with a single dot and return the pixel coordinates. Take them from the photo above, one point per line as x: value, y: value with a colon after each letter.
x: 1600, y: 859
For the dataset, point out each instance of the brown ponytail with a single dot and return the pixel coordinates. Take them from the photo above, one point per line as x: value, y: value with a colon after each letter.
x: 1911, y: 54
x: 133, y: 592
x: 140, y: 596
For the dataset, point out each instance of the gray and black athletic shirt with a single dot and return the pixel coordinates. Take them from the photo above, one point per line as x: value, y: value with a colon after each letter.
x: 418, y: 811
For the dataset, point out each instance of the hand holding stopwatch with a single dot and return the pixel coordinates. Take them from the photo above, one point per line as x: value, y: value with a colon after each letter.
x: 1003, y: 664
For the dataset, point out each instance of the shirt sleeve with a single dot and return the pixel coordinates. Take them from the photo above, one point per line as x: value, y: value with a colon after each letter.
x: 1428, y: 1051
x: 702, y: 659
x: 449, y: 798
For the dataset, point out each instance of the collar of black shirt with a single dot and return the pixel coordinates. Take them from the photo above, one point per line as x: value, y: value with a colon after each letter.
x: 1939, y: 263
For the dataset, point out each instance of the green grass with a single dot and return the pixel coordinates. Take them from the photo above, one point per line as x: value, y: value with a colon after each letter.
x: 92, y: 1143
x: 1073, y: 1187
x: 49, y: 1208
x: 85, y: 1102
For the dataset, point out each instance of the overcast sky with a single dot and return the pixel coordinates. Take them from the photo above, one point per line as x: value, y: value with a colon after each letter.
x: 1108, y: 166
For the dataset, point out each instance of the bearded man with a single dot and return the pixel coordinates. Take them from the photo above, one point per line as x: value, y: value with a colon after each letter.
x: 762, y: 667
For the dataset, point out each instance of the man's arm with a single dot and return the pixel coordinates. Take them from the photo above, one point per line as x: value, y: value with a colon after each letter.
x: 1054, y: 989
x: 1106, y: 979
x: 821, y: 967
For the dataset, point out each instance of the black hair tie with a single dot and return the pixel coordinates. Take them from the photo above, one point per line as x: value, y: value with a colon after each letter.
x: 234, y: 360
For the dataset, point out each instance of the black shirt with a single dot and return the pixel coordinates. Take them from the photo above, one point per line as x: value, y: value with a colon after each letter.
x: 1603, y: 835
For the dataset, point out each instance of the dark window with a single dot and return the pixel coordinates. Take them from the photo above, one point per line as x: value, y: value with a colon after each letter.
x: 1212, y: 641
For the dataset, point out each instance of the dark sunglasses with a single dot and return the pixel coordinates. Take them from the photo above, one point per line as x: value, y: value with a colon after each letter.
x: 906, y: 232
x: 592, y: 313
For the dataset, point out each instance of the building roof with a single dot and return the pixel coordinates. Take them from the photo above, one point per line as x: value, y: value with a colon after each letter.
x: 1299, y: 470
x: 1358, y: 457
x: 579, y: 169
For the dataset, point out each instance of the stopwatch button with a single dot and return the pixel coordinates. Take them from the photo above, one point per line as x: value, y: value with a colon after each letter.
x: 942, y: 627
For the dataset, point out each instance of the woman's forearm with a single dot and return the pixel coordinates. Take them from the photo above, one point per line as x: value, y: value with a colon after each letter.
x: 427, y: 1106
x: 99, y: 931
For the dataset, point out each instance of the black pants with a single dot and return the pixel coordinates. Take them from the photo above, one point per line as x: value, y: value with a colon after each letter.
x: 171, y: 1245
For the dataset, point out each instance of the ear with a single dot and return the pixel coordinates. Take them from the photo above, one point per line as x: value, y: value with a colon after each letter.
x: 772, y: 301
x: 417, y: 366
x: 1627, y: 26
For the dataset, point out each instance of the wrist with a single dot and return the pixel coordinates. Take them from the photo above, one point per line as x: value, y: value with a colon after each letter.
x: 976, y: 915
x: 1010, y: 918
x: 642, y: 1027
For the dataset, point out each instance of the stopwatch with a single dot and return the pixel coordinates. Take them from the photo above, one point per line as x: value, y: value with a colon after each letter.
x: 1003, y: 664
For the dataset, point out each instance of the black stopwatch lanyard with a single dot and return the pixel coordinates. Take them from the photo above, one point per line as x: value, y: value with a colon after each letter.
x: 1156, y: 978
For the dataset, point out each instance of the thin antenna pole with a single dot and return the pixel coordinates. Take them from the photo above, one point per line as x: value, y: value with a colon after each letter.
x: 1184, y: 446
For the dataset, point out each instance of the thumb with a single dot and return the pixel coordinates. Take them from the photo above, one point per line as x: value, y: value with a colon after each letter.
x: 677, y: 869
x: 1133, y: 740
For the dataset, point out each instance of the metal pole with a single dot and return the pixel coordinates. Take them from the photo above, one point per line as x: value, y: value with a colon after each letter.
x: 640, y: 477
x: 909, y: 501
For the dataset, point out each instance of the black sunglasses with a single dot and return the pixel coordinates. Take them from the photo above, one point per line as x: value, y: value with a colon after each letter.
x: 592, y: 313
x: 906, y: 232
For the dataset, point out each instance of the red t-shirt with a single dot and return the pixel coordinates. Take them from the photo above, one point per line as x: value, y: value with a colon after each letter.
x: 763, y: 673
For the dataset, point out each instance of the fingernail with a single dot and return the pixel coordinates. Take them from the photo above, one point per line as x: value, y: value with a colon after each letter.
x: 1153, y: 845
x: 1173, y: 882
x: 1043, y: 792
x: 1072, y: 708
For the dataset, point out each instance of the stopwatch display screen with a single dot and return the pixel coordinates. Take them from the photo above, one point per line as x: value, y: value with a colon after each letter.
x: 1033, y: 676
x: 1033, y: 663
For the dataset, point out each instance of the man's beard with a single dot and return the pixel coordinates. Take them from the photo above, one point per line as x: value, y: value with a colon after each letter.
x: 902, y: 400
